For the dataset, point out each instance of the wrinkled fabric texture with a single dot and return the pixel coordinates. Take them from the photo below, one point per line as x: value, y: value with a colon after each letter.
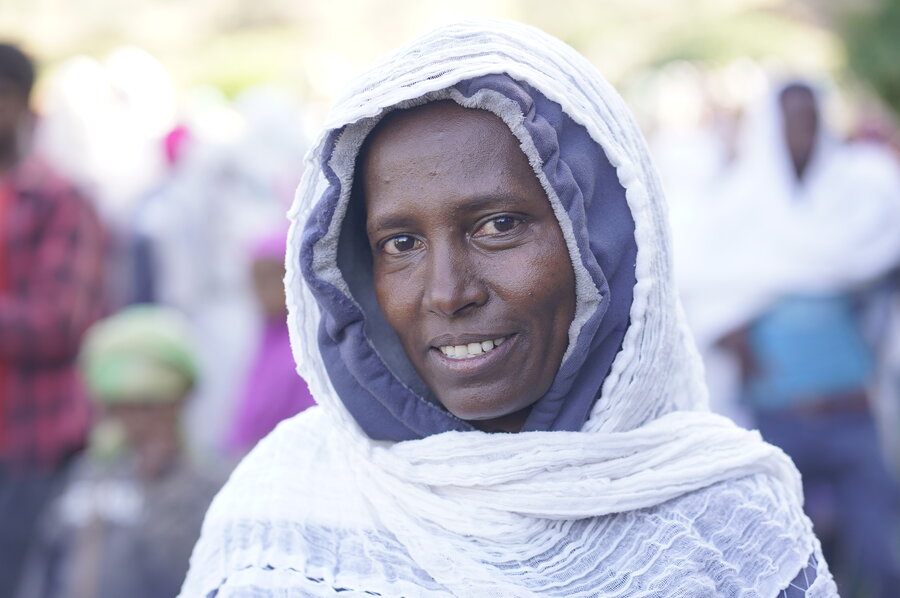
x: 643, y: 494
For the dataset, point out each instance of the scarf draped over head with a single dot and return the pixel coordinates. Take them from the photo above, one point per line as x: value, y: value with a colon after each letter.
x: 621, y: 483
x: 765, y: 235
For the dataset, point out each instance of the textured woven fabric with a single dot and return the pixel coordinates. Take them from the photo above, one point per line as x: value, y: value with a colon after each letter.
x: 653, y: 496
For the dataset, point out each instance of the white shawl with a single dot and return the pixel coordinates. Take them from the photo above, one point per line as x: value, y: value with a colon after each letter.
x: 653, y: 497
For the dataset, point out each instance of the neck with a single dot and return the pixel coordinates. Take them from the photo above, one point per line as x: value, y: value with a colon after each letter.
x: 801, y: 166
x: 512, y: 422
x: 800, y: 170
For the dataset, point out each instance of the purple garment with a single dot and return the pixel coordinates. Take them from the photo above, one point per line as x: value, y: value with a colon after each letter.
x: 269, y: 247
x: 273, y: 391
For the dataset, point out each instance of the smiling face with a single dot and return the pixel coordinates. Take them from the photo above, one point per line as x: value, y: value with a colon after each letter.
x: 470, y: 266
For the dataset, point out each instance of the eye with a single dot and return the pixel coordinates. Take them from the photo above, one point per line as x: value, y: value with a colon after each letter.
x: 498, y: 225
x: 400, y: 244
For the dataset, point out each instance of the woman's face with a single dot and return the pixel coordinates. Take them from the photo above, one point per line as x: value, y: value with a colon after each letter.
x: 470, y: 265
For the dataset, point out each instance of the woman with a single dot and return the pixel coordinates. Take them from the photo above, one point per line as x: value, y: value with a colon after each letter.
x: 272, y: 389
x: 479, y: 246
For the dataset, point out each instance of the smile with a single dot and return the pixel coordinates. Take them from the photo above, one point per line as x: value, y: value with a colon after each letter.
x: 471, y: 350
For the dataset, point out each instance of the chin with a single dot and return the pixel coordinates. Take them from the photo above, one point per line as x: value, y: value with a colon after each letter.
x: 479, y: 412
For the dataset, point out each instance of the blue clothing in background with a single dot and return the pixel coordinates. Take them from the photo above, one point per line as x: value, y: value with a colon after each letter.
x: 808, y: 392
x: 807, y: 348
x: 840, y: 454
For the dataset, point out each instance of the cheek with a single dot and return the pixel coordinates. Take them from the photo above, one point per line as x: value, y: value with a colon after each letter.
x: 396, y: 295
x: 538, y: 281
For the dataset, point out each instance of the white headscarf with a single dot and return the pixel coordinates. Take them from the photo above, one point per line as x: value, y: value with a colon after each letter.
x: 764, y: 235
x: 654, y: 496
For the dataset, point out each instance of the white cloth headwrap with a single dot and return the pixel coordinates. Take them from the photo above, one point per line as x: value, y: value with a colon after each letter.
x: 763, y: 236
x: 654, y: 497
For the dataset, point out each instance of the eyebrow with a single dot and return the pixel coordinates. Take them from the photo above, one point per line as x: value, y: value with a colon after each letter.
x: 401, y: 220
x: 391, y: 222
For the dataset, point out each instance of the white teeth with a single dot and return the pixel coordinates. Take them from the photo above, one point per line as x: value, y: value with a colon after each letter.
x: 471, y: 349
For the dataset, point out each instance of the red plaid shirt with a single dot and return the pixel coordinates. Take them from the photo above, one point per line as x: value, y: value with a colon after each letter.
x: 52, y: 251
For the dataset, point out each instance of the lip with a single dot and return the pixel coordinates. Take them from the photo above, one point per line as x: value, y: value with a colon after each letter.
x: 471, y: 365
x: 464, y: 339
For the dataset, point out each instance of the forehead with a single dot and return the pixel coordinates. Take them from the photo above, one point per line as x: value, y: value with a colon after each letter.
x: 437, y: 128
x: 445, y: 149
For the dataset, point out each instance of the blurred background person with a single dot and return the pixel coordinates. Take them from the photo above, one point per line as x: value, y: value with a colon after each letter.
x: 132, y: 506
x: 51, y: 290
x: 229, y: 183
x: 693, y: 149
x: 804, y: 228
x: 273, y: 390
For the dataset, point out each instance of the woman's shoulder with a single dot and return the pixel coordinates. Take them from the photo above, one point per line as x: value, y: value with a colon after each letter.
x: 286, y: 469
x: 281, y: 504
x: 291, y: 507
x: 756, y: 499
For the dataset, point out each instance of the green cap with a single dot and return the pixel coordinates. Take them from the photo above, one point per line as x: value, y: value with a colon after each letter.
x: 141, y: 354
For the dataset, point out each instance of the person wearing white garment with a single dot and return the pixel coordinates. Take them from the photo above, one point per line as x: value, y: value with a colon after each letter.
x: 509, y: 402
x: 805, y: 361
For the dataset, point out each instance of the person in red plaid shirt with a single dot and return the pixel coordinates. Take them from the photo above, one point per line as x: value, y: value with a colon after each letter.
x: 51, y: 290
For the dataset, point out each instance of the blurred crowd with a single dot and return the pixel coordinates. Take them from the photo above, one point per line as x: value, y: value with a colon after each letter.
x: 143, y: 344
x: 787, y: 255
x: 142, y: 315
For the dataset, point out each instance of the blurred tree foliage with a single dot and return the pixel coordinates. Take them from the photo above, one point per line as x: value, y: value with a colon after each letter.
x: 871, y: 34
x: 718, y: 39
x: 316, y: 47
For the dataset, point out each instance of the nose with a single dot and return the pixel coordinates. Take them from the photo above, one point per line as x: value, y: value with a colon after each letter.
x: 453, y: 285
